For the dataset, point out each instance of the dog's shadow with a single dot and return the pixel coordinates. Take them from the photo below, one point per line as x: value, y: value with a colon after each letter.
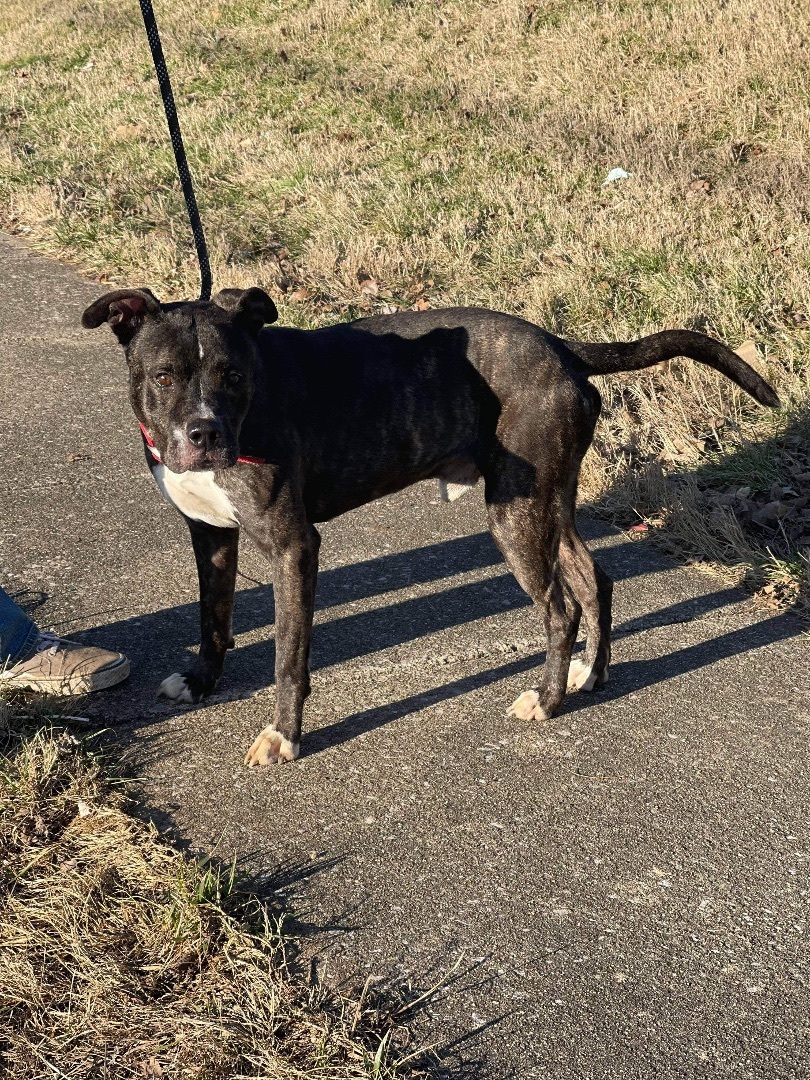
x: 154, y: 642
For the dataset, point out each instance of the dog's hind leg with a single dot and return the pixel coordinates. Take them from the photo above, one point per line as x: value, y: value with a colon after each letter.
x: 528, y: 533
x: 593, y: 590
x: 216, y: 552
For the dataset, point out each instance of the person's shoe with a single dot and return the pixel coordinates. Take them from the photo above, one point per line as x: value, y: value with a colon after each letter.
x: 66, y: 668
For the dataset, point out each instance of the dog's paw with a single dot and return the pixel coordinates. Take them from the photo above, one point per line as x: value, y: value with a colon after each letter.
x: 176, y: 688
x: 582, y: 676
x: 270, y: 747
x: 527, y: 707
x: 189, y: 687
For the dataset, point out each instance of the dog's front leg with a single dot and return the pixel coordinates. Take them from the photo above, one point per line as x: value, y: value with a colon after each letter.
x: 216, y: 552
x: 295, y: 572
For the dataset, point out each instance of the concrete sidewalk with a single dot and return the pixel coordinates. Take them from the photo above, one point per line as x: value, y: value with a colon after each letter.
x: 621, y: 892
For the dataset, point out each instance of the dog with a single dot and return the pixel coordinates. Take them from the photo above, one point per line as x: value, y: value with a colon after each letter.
x: 273, y: 429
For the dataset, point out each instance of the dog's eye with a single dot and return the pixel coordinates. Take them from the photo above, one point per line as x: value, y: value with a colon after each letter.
x: 163, y: 378
x: 233, y: 377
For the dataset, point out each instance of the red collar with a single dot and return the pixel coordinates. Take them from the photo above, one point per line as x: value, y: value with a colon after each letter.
x: 248, y: 459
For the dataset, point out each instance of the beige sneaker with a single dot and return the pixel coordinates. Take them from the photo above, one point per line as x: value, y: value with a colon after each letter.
x: 66, y: 668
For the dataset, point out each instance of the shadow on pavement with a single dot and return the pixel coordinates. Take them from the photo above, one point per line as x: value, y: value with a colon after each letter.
x: 402, y: 619
x: 625, y: 677
x: 157, y: 639
x: 307, y: 947
x: 254, y: 609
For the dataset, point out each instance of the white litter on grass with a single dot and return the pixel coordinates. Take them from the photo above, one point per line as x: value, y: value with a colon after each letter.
x: 614, y: 175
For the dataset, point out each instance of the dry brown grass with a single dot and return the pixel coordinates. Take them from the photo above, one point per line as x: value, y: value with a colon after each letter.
x: 121, y: 957
x: 455, y: 151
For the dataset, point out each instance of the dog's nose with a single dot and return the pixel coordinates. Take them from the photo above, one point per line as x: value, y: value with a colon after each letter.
x: 204, y: 434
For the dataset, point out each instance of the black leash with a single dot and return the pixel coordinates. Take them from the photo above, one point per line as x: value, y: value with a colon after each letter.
x: 177, y: 144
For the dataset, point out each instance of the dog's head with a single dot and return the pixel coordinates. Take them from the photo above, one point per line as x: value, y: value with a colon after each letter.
x: 191, y: 368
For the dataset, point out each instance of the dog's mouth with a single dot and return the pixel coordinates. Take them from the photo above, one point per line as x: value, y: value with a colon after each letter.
x: 220, y: 459
x: 189, y: 458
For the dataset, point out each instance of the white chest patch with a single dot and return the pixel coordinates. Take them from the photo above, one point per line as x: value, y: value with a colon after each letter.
x: 197, y: 495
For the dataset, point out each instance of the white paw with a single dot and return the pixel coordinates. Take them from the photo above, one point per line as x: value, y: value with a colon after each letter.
x: 176, y: 689
x: 270, y: 747
x: 527, y: 707
x: 581, y: 675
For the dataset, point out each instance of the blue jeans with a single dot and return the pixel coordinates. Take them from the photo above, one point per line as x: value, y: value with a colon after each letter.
x: 18, y: 635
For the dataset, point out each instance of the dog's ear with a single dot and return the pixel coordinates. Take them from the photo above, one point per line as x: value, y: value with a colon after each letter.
x: 124, y: 310
x: 253, y: 307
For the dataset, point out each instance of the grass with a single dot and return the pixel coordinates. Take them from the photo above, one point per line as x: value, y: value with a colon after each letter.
x: 455, y: 153
x: 122, y: 957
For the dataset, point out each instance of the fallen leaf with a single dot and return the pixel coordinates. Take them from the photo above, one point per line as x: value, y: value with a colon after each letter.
x: 553, y: 258
x: 772, y: 511
x: 300, y: 295
x: 642, y: 527
x: 702, y: 185
x: 749, y: 352
x: 422, y: 304
x: 368, y: 286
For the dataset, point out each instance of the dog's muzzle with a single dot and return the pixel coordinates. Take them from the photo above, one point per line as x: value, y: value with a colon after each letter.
x: 206, y: 436
x: 197, y: 457
x: 206, y: 446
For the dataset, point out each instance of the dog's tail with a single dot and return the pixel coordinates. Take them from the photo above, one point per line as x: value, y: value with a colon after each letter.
x: 603, y: 359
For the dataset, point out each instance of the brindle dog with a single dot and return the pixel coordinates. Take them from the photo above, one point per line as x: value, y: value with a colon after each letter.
x: 271, y: 430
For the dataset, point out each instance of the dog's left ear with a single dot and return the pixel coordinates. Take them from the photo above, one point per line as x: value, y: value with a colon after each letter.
x: 125, y: 310
x: 253, y: 307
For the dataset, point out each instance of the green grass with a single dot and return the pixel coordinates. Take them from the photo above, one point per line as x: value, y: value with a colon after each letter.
x: 754, y: 465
